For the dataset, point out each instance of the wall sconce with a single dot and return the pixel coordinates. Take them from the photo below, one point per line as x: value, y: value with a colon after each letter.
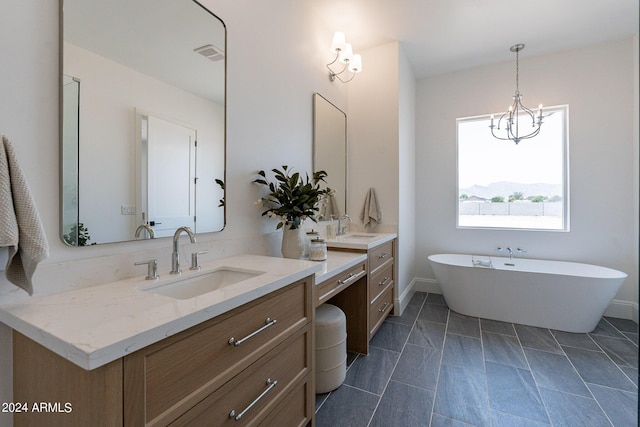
x: 344, y: 54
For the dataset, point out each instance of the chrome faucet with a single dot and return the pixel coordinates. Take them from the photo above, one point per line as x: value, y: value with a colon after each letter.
x: 175, y: 256
x: 500, y: 249
x: 510, y: 253
x: 518, y: 250
x: 152, y: 268
x: 342, y: 229
x: 145, y: 227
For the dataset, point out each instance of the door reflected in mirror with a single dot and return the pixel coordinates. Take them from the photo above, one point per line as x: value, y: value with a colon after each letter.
x: 330, y: 150
x: 143, y: 119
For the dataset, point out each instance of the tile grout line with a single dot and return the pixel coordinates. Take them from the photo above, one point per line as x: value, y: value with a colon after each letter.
x: 598, y: 349
x: 329, y: 394
x: 484, y: 367
x: 612, y: 361
x: 607, y: 354
x: 444, y: 340
x: 580, y: 376
x: 396, y: 364
x: 544, y: 405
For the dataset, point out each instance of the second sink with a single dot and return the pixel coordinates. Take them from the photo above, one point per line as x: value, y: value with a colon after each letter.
x: 190, y: 287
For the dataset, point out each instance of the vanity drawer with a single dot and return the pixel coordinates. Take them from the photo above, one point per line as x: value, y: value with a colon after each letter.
x: 380, y: 255
x: 259, y: 389
x: 380, y: 309
x: 330, y: 287
x: 379, y: 281
x: 296, y: 410
x: 169, y: 377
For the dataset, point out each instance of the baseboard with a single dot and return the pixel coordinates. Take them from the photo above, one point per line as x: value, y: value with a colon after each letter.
x: 623, y: 310
x: 416, y: 285
x: 617, y: 308
x: 427, y: 285
x: 403, y: 300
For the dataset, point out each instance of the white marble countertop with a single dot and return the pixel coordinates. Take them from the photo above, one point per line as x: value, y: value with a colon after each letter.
x: 360, y: 240
x: 95, y: 325
x: 338, y: 262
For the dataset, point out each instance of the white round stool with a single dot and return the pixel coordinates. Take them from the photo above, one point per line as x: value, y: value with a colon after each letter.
x: 331, y: 348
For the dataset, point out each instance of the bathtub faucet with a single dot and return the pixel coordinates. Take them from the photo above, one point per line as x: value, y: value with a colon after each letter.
x: 500, y: 249
x: 508, y: 249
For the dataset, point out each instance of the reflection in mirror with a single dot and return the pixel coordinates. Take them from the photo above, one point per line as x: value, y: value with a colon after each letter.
x: 330, y: 150
x: 69, y: 159
x: 143, y: 119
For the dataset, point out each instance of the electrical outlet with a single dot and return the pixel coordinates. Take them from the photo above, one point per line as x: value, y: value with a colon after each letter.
x: 127, y: 210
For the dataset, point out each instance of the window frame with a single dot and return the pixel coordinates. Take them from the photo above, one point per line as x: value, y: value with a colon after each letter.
x: 565, y: 171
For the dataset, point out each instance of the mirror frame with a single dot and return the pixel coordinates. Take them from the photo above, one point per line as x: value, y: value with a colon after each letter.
x: 61, y: 77
x: 316, y: 98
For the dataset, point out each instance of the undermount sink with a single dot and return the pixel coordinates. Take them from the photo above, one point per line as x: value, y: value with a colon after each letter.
x: 360, y: 236
x: 190, y: 287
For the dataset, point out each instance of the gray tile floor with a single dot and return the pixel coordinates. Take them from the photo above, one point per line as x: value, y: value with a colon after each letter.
x: 434, y: 367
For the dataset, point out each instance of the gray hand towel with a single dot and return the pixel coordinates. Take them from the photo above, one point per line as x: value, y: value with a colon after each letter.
x: 330, y: 208
x: 371, y: 214
x: 20, y: 227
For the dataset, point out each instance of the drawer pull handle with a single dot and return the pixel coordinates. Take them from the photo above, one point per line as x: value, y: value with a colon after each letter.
x: 351, y: 277
x: 270, y: 385
x: 384, y: 255
x: 268, y: 323
x: 384, y: 307
x: 384, y: 282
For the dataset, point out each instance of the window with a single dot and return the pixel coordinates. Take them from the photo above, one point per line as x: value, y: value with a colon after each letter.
x: 509, y: 186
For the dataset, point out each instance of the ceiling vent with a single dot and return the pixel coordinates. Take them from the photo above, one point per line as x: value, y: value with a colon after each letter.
x: 210, y: 52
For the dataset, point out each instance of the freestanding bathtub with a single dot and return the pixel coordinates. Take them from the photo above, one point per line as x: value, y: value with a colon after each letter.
x: 566, y: 296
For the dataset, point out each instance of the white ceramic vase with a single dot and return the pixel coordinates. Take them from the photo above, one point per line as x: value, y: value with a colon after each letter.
x: 292, y: 243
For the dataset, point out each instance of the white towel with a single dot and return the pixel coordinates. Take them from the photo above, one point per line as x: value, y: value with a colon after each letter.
x: 481, y: 262
x: 20, y: 227
x: 371, y: 214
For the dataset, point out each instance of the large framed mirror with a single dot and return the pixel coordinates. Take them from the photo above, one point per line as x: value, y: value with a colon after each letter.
x: 330, y: 150
x: 143, y: 94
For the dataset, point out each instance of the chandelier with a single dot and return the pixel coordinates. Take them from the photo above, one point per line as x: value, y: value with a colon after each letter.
x: 508, y: 127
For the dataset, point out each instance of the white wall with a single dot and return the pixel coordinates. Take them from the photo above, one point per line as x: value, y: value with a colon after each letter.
x: 276, y: 57
x: 406, y: 181
x: 598, y: 83
x: 382, y: 151
x: 373, y: 134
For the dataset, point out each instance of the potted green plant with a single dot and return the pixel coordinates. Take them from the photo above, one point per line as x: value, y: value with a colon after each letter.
x: 291, y: 200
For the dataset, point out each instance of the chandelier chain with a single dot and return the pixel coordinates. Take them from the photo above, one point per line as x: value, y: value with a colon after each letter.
x: 518, y: 72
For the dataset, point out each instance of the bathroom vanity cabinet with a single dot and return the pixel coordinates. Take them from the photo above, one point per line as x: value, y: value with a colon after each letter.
x: 366, y: 292
x: 249, y: 366
x: 381, y: 273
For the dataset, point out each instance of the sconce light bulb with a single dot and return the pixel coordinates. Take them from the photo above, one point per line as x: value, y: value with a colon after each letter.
x: 338, y: 43
x: 346, y: 54
x: 355, y: 65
